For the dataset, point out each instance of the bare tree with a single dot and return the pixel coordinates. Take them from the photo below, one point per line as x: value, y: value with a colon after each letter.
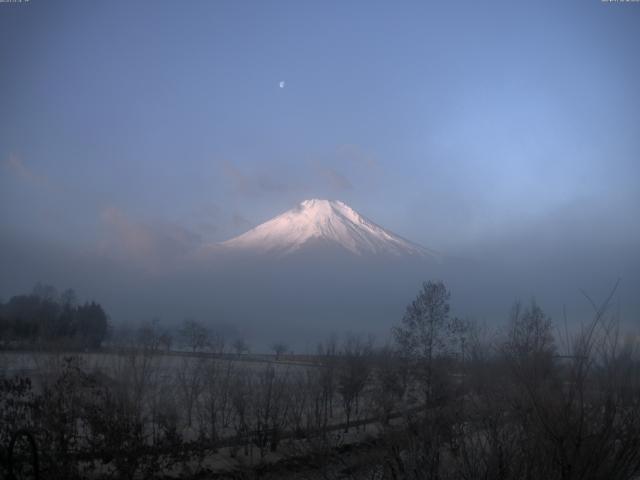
x: 530, y: 340
x: 328, y: 354
x: 390, y: 383
x: 240, y: 346
x: 240, y: 399
x: 301, y: 398
x: 270, y: 404
x: 279, y: 349
x: 217, y: 343
x: 537, y: 414
x: 353, y: 373
x: 194, y: 334
x: 166, y: 340
x: 190, y: 378
x: 424, y: 332
x: 218, y: 376
x: 148, y: 335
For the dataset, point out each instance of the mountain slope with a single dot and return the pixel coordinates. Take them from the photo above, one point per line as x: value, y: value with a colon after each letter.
x: 329, y: 222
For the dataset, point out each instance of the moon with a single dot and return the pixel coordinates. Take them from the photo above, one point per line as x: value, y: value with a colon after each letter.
x: 282, y: 84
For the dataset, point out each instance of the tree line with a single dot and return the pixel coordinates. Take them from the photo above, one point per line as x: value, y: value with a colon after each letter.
x: 46, y: 317
x: 446, y: 398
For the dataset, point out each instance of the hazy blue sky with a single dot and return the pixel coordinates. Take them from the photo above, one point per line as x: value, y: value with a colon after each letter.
x: 470, y: 127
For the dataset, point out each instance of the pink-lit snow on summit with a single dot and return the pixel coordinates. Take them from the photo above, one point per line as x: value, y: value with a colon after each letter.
x: 325, y: 221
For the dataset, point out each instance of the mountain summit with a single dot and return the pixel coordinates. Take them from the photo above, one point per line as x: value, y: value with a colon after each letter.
x: 328, y: 223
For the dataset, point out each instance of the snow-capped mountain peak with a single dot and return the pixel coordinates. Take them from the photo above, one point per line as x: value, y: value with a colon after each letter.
x: 329, y: 222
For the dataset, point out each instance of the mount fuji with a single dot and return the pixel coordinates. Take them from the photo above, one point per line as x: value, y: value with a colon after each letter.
x: 332, y: 224
x: 311, y: 271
